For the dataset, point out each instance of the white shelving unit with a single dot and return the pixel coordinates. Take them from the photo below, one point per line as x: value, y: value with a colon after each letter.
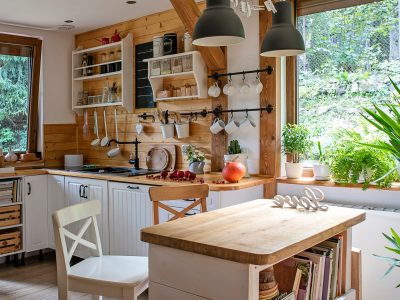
x: 199, y: 73
x: 124, y: 76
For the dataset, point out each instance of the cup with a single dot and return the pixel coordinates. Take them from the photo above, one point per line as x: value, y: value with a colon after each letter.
x: 232, y: 126
x: 139, y: 128
x: 257, y: 85
x: 229, y: 89
x: 217, y: 126
x: 247, y: 124
x: 244, y: 88
x: 214, y: 90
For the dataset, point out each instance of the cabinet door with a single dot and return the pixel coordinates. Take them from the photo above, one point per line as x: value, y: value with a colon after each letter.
x: 55, y: 201
x: 129, y: 212
x: 97, y: 190
x: 35, y: 203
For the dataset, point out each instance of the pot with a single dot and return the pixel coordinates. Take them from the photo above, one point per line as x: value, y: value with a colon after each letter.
x: 294, y: 170
x: 197, y: 167
x: 241, y: 157
x: 104, y: 40
x: 115, y: 37
x: 321, y: 172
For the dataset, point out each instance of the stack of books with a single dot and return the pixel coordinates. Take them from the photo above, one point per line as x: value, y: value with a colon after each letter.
x: 315, y: 274
x: 8, y: 191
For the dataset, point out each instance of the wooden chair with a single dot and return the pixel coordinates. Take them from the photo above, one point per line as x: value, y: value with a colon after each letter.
x: 123, y: 277
x: 167, y: 193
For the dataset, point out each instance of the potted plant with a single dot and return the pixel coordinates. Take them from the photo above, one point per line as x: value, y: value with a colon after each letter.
x: 295, y: 142
x: 196, y: 159
x: 387, y: 123
x: 321, y: 169
x: 354, y: 161
x: 236, y: 153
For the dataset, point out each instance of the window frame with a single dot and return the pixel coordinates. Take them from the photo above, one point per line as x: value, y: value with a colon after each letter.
x: 33, y: 114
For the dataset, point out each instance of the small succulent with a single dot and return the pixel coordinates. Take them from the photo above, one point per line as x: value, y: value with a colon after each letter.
x: 234, y: 147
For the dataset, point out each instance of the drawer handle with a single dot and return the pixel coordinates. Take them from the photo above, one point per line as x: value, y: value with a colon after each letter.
x: 29, y: 188
x: 132, y: 187
x: 189, y: 214
x: 190, y: 200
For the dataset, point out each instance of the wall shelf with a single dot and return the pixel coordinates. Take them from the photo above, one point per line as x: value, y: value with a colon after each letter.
x: 123, y: 78
x: 198, y: 73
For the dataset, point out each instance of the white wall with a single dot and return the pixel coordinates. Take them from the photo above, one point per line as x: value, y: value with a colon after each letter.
x: 246, y: 56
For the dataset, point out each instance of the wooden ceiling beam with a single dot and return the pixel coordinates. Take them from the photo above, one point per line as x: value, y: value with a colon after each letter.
x: 189, y: 13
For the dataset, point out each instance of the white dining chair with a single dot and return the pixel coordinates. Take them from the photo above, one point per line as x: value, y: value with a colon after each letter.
x: 122, y: 277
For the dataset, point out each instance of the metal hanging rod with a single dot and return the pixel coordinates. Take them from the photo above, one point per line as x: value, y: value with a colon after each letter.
x: 268, y: 70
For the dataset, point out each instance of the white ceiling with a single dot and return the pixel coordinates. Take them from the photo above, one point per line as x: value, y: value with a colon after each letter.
x: 86, y: 14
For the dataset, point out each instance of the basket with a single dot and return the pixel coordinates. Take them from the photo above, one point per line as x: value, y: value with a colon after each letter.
x: 182, y: 130
x: 10, y: 241
x: 10, y: 215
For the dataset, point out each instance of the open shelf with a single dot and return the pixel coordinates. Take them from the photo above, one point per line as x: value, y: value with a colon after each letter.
x: 11, y: 226
x: 98, y: 65
x: 116, y: 45
x: 180, y: 74
x: 10, y: 203
x: 98, y: 105
x: 178, y: 98
x: 97, y: 76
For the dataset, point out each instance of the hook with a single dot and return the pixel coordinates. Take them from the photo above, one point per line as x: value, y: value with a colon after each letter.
x: 230, y: 77
x: 244, y: 75
x: 247, y: 113
x: 231, y: 114
x: 258, y: 75
x: 195, y: 116
x: 261, y: 112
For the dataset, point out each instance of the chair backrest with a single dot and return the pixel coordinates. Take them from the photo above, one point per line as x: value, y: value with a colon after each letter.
x: 85, y: 212
x: 199, y: 192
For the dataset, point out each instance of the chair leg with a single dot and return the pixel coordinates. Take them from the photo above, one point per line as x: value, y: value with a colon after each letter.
x: 97, y: 297
x: 64, y: 294
x: 129, y: 294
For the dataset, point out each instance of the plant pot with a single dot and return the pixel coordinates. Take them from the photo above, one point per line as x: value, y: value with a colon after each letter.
x: 182, y: 130
x: 197, y: 167
x: 294, y: 170
x: 241, y: 157
x: 167, y: 130
x: 321, y: 172
x: 362, y: 179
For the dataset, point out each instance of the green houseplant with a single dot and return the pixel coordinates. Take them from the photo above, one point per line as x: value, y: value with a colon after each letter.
x: 295, y: 143
x: 354, y: 161
x: 196, y: 159
x: 386, y: 118
x: 236, y: 153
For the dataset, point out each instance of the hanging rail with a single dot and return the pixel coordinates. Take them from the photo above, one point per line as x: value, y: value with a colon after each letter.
x: 217, y: 112
x: 217, y: 75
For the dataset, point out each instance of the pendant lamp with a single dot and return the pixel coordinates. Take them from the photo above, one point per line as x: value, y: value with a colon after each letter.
x: 282, y: 39
x: 218, y: 25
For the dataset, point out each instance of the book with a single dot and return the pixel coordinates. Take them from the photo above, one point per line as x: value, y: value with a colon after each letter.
x: 318, y: 271
x: 327, y: 252
x: 335, y: 246
x: 288, y: 276
x: 306, y: 266
x: 285, y: 296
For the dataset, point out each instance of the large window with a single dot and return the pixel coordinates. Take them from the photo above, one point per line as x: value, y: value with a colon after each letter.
x: 350, y: 55
x: 19, y: 82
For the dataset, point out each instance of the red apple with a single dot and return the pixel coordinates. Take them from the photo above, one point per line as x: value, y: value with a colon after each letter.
x: 187, y: 174
x: 164, y: 174
x: 180, y: 174
x: 233, y: 171
x: 192, y: 176
x: 173, y: 175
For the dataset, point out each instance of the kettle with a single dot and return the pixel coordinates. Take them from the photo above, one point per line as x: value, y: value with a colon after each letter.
x: 115, y: 37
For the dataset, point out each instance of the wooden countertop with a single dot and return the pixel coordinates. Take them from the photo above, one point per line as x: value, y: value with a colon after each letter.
x: 255, y: 232
x: 208, y: 179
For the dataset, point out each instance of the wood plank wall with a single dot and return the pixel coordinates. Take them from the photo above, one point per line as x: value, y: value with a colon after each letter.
x: 59, y: 139
x: 143, y: 30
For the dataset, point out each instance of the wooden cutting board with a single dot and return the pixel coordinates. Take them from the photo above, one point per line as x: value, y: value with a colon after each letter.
x: 171, y: 149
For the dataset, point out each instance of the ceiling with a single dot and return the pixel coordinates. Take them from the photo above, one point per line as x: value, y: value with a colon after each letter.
x: 86, y: 14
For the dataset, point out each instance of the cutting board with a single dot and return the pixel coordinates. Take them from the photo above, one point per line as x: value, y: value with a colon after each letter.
x: 171, y: 149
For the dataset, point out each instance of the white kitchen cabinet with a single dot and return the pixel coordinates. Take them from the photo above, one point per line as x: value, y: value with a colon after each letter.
x: 36, y: 218
x: 78, y: 190
x: 55, y: 201
x: 130, y: 210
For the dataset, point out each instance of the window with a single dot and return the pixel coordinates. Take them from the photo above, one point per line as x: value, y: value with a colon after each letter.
x: 350, y: 54
x: 19, y: 85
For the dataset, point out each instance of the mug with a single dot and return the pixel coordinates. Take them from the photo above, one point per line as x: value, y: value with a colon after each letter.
x: 244, y: 88
x: 232, y: 126
x: 170, y: 43
x: 217, y: 126
x: 257, y: 85
x: 139, y: 128
x: 214, y: 90
x: 229, y: 88
x: 247, y: 124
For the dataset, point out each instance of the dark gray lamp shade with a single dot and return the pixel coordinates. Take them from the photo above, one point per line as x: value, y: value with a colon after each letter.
x: 219, y: 25
x: 282, y: 39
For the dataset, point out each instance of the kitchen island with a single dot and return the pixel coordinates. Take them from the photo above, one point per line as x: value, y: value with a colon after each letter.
x: 219, y: 254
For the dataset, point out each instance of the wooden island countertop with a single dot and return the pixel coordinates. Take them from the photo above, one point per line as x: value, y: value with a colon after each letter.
x: 208, y: 179
x: 255, y: 232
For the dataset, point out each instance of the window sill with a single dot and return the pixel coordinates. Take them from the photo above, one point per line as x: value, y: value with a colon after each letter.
x: 311, y: 181
x: 19, y: 165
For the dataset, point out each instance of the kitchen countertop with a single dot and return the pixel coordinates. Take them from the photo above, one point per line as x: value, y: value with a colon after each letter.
x: 255, y: 232
x: 208, y: 179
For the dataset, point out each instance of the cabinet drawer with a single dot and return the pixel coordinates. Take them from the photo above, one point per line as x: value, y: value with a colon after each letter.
x: 159, y: 291
x: 129, y: 187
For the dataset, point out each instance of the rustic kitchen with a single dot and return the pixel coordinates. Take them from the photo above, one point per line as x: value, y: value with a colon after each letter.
x: 187, y: 150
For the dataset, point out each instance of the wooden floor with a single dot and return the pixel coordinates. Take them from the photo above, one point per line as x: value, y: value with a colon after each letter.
x: 34, y: 281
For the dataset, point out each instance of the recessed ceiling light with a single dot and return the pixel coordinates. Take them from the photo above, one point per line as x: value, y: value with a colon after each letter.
x: 130, y: 2
x: 68, y: 21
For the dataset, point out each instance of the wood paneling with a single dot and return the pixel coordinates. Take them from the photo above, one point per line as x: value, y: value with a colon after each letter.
x: 59, y: 139
x: 143, y: 30
x: 306, y: 7
x: 269, y: 123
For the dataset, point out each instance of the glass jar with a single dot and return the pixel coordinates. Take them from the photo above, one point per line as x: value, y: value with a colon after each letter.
x: 118, y: 58
x: 111, y: 66
x: 104, y: 67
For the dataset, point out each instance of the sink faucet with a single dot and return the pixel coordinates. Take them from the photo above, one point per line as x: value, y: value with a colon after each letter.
x: 135, y: 160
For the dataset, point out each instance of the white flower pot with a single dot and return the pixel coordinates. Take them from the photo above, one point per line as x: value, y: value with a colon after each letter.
x: 241, y: 157
x: 321, y: 172
x: 294, y: 170
x: 362, y: 179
